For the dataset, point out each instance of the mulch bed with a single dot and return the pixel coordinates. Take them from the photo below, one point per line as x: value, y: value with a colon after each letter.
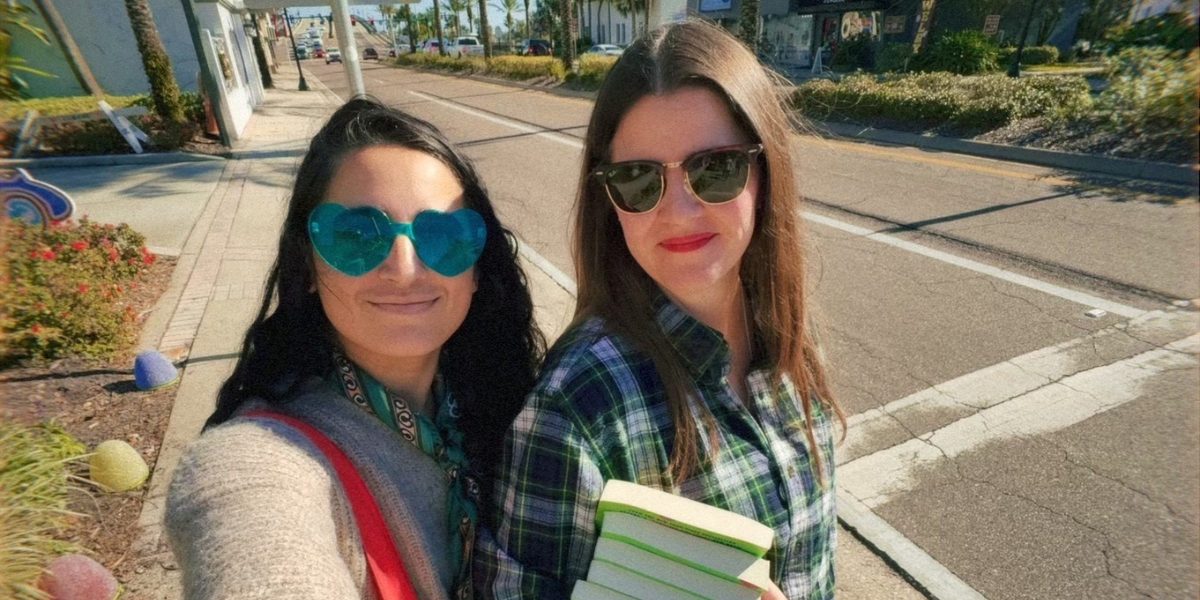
x: 97, y: 401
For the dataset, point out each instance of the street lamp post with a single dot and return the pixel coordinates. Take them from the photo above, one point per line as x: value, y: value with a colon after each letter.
x: 292, y: 36
x: 1014, y: 69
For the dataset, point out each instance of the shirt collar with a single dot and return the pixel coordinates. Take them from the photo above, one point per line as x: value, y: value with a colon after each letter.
x: 704, y: 351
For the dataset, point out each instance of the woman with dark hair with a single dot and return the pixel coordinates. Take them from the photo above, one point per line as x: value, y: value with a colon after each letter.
x: 409, y: 355
x: 691, y: 365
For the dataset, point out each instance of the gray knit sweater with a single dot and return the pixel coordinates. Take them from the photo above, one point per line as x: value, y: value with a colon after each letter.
x: 255, y: 511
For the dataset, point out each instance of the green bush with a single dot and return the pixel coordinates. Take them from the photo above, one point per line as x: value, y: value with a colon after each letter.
x: 64, y: 288
x: 893, y: 58
x: 521, y: 68
x: 962, y: 52
x: 193, y: 105
x: 592, y: 71
x: 33, y: 503
x: 101, y: 137
x: 1151, y: 90
x: 931, y: 100
x: 1030, y: 55
x: 853, y: 53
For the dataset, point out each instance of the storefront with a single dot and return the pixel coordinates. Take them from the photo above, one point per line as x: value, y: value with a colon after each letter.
x: 794, y: 31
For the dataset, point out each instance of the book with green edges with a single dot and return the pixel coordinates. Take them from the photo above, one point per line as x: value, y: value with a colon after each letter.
x: 586, y: 590
x: 634, y: 584
x: 686, y: 515
x: 716, y: 559
x: 668, y: 572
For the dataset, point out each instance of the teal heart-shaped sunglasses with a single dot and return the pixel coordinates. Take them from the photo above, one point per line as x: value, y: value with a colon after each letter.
x: 353, y: 241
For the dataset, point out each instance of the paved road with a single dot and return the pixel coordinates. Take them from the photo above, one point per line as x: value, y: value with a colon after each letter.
x: 1014, y: 345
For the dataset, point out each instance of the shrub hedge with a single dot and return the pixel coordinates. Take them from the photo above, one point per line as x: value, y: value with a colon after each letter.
x: 592, y: 71
x: 1149, y: 90
x: 931, y: 100
x: 518, y: 68
x: 1030, y: 55
x: 62, y: 289
x: 962, y: 52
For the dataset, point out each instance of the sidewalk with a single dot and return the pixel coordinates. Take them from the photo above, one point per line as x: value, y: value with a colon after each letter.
x: 217, y: 288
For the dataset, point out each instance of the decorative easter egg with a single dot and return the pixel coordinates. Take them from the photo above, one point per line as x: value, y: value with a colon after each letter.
x: 117, y: 467
x: 77, y: 577
x: 152, y: 370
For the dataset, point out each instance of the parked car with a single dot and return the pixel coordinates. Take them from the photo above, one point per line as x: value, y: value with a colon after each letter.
x: 369, y: 53
x: 535, y: 47
x: 464, y: 46
x: 333, y: 55
x: 605, y: 50
x: 429, y: 47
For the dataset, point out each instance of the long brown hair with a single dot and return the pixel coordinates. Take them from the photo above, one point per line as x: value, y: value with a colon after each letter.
x: 612, y: 286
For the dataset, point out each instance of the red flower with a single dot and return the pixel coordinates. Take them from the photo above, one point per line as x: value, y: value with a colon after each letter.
x: 34, y: 254
x: 79, y: 246
x: 107, y: 243
x: 147, y: 258
x: 117, y: 288
x: 82, y: 289
x: 112, y: 255
x: 35, y: 328
x: 48, y: 255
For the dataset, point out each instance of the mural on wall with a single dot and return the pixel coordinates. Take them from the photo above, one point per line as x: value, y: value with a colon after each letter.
x: 35, y: 202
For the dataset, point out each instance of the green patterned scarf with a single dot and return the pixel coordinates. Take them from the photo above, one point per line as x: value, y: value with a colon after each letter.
x: 439, y: 438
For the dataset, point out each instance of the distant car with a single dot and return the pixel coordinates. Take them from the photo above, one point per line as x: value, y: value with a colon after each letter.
x: 535, y: 47
x: 333, y: 55
x: 369, y: 53
x: 464, y: 46
x: 301, y: 51
x: 429, y: 47
x: 605, y: 50
x: 319, y: 52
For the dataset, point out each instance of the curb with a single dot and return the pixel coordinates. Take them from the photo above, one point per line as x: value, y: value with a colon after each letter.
x: 108, y: 160
x: 1105, y: 165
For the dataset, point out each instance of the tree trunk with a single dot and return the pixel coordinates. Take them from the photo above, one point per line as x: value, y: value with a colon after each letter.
x: 566, y: 10
x: 163, y: 89
x: 471, y: 18
x: 528, y: 18
x: 437, y: 28
x: 485, y: 30
x: 412, y: 31
x: 748, y: 24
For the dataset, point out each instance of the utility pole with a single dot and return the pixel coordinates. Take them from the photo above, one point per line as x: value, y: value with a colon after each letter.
x: 292, y: 36
x: 1014, y: 69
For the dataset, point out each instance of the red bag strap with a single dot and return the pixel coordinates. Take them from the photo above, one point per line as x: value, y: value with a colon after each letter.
x: 386, y: 568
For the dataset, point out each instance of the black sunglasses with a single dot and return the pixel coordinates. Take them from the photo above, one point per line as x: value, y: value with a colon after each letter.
x: 715, y: 176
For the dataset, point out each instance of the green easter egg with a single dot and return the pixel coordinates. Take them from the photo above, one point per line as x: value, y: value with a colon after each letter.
x: 117, y: 467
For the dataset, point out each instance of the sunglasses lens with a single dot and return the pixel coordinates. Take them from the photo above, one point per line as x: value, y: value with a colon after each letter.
x: 351, y: 241
x: 719, y: 176
x: 449, y: 243
x: 634, y: 187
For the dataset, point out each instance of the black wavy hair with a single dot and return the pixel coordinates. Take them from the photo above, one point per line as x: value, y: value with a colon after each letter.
x: 489, y: 363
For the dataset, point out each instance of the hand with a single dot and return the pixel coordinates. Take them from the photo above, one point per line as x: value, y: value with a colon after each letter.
x: 773, y: 593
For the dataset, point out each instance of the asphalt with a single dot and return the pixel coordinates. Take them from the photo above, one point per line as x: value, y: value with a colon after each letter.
x: 221, y: 218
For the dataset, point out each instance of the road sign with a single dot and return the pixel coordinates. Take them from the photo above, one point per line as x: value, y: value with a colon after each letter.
x: 991, y: 24
x: 893, y: 24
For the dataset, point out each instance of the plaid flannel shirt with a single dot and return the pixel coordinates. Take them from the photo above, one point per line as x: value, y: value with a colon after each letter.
x: 599, y: 412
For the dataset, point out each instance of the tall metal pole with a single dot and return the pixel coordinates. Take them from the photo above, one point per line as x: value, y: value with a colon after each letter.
x: 292, y: 36
x: 345, y: 32
x: 1014, y: 69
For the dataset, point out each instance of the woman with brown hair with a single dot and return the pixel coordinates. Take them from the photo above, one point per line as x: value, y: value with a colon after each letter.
x: 691, y: 365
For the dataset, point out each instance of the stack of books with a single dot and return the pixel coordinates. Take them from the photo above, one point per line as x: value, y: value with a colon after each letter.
x: 657, y: 546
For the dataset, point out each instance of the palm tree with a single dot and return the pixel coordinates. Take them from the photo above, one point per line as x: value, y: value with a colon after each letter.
x: 527, y: 34
x: 406, y: 12
x: 470, y: 17
x: 485, y: 30
x: 455, y: 7
x: 388, y: 11
x: 163, y: 89
x: 437, y: 29
x: 566, y: 12
x: 748, y: 24
x: 508, y: 7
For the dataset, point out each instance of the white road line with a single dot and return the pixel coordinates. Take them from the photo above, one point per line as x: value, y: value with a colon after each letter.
x: 562, y: 279
x: 978, y: 267
x: 1003, y: 381
x: 876, y: 478
x: 567, y: 140
x: 965, y: 263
